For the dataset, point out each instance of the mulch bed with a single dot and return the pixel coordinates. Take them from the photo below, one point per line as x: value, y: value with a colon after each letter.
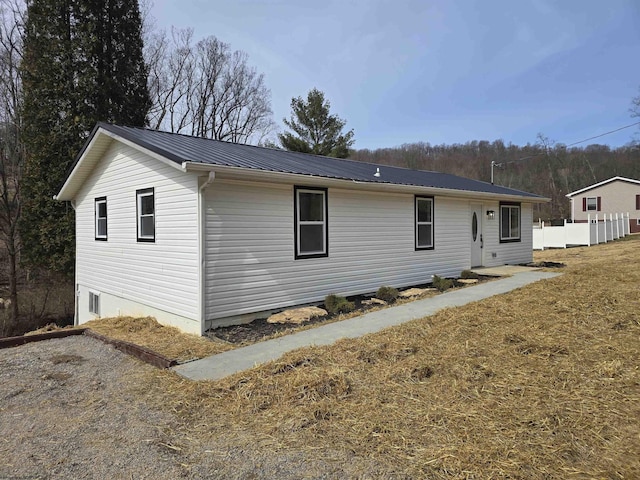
x: 260, y: 329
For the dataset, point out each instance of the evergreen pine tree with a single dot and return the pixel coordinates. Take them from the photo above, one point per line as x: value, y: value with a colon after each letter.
x: 315, y: 130
x: 82, y: 64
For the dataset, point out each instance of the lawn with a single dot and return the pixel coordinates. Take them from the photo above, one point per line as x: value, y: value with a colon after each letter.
x: 542, y: 382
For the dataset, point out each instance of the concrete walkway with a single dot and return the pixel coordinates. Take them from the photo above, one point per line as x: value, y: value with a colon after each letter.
x: 227, y: 363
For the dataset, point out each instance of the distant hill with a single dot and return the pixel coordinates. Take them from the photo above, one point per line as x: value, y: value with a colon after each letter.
x: 552, y: 172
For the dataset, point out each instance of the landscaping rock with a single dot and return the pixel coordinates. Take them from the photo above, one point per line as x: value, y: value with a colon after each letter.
x: 374, y: 301
x: 297, y: 315
x: 467, y: 281
x: 415, y: 292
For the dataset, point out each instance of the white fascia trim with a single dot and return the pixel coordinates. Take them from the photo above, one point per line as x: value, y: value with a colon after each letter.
x: 604, y: 182
x: 98, y: 135
x: 81, y: 160
x: 262, y: 175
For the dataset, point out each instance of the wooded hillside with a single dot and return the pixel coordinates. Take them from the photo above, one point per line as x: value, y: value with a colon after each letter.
x: 550, y: 171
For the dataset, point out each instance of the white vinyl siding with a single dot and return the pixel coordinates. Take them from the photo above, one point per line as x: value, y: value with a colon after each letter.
x: 510, y: 253
x: 163, y: 275
x: 250, y: 255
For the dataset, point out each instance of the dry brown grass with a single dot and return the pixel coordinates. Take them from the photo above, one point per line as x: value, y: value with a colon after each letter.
x: 165, y: 340
x: 542, y: 382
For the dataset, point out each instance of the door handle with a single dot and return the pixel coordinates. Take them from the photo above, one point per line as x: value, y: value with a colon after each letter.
x: 481, y: 242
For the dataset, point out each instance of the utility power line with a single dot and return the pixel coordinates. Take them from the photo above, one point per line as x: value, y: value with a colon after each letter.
x: 500, y: 164
x: 603, y: 134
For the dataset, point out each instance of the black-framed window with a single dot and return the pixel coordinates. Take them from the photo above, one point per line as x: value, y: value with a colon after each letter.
x: 311, y: 223
x: 510, y: 222
x: 424, y: 223
x: 146, y: 215
x: 100, y: 215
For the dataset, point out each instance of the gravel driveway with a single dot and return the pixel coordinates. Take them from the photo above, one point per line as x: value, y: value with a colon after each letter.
x: 64, y: 412
x: 68, y: 409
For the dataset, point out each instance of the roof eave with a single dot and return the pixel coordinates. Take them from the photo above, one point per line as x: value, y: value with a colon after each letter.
x: 73, y: 183
x: 313, y: 180
x: 600, y: 184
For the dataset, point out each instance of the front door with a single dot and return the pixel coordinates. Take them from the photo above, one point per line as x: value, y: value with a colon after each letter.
x: 476, y: 235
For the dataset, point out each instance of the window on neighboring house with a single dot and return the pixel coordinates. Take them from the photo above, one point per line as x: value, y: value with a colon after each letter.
x: 637, y: 202
x: 146, y: 215
x: 591, y: 204
x: 509, y: 222
x: 100, y: 211
x: 94, y: 303
x: 424, y: 223
x: 311, y: 222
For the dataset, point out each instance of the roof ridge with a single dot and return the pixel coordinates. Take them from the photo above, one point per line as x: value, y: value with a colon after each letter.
x: 272, y: 149
x: 182, y: 148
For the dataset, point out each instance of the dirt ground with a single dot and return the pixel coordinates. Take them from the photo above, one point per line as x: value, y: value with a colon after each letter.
x: 540, y: 383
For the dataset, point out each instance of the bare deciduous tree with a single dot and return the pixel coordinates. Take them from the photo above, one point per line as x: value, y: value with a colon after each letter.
x: 206, y: 89
x: 11, y: 148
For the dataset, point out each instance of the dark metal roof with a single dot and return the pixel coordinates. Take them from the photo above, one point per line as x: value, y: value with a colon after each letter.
x: 183, y: 148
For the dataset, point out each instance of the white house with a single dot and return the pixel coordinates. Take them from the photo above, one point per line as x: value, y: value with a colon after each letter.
x: 615, y: 195
x: 200, y: 233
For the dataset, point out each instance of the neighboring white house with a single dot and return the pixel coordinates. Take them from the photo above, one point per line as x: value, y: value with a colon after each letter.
x: 200, y: 233
x: 615, y: 195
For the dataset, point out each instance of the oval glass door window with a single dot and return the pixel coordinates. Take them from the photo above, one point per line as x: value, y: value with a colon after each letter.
x: 474, y: 226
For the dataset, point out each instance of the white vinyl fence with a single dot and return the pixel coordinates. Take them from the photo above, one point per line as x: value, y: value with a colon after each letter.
x: 597, y: 229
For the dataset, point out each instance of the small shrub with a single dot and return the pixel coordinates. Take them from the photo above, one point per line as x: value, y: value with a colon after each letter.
x: 442, y: 284
x: 388, y: 294
x: 468, y: 274
x: 337, y: 304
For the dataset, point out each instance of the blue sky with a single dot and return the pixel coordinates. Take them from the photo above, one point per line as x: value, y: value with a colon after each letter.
x: 439, y: 71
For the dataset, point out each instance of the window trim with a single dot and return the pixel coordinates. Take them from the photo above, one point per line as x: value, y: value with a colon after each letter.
x: 144, y: 192
x: 510, y: 206
x: 96, y: 209
x: 416, y: 223
x: 94, y: 303
x: 296, y: 223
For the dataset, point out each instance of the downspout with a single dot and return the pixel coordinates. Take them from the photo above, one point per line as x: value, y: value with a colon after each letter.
x: 202, y: 223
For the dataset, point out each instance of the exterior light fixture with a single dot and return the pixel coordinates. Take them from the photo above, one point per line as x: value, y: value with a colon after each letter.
x: 377, y: 174
x: 491, y: 214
